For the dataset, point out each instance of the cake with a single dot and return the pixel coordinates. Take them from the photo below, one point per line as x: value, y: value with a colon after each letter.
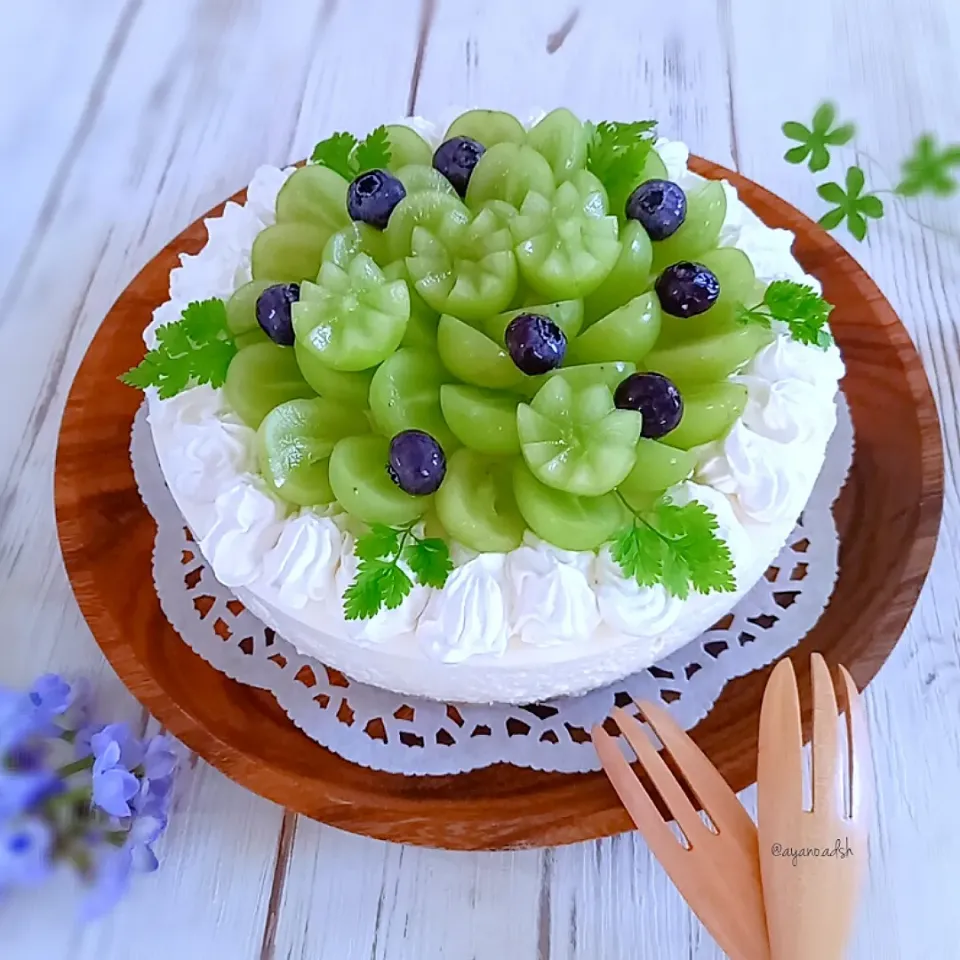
x: 491, y: 412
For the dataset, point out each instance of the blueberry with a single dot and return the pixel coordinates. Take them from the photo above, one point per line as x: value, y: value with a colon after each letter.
x: 686, y: 289
x: 275, y: 312
x: 455, y: 159
x: 417, y: 462
x: 372, y: 197
x: 535, y: 343
x: 660, y: 205
x: 656, y: 397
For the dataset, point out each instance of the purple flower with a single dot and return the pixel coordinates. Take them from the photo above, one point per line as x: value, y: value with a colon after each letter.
x: 18, y: 719
x: 51, y: 694
x: 25, y: 847
x: 113, y: 784
x: 130, y: 749
x: 22, y: 790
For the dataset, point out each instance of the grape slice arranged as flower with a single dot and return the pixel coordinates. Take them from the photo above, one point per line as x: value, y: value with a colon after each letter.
x: 492, y: 348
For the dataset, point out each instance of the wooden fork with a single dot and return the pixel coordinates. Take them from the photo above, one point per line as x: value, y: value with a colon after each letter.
x: 718, y: 873
x: 811, y: 897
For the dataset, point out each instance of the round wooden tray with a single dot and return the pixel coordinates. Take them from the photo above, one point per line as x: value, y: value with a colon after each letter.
x: 887, y: 515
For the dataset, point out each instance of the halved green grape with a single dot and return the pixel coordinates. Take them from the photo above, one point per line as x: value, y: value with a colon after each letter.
x: 428, y: 208
x: 474, y: 358
x: 488, y: 127
x: 432, y: 527
x: 314, y: 194
x: 706, y: 208
x: 708, y: 358
x: 294, y: 442
x: 708, y: 413
x: 352, y: 318
x: 417, y: 178
x: 587, y: 374
x: 352, y: 388
x: 359, y: 478
x: 288, y: 252
x: 251, y: 337
x: 566, y: 314
x: 242, y: 307
x: 407, y: 147
x: 577, y: 440
x: 480, y: 419
x: 421, y: 329
x: 565, y: 520
x: 563, y: 251
x: 508, y: 172
x: 465, y: 269
x: 658, y: 467
x: 476, y: 504
x: 261, y: 377
x: 562, y: 139
x: 628, y: 333
x: 405, y: 395
x: 629, y: 277
x: 352, y: 239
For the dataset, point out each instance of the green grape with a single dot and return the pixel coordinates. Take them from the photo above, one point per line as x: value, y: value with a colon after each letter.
x: 476, y: 504
x: 352, y: 388
x: 352, y: 318
x: 405, y: 395
x: 482, y: 420
x: 359, y: 478
x: 566, y: 314
x: 261, y: 377
x: 288, y: 252
x: 429, y: 208
x: 565, y: 247
x: 293, y: 444
x: 587, y: 374
x: 562, y: 139
x: 508, y: 172
x: 316, y: 195
x: 417, y: 178
x: 474, y: 358
x: 700, y: 230
x: 658, y: 468
x: 488, y: 127
x: 629, y: 277
x: 421, y: 329
x: 628, y: 333
x: 709, y: 358
x: 708, y: 413
x: 432, y: 527
x: 251, y: 337
x: 565, y: 520
x: 407, y: 147
x: 242, y: 307
x: 577, y: 440
x: 356, y: 238
x: 465, y: 269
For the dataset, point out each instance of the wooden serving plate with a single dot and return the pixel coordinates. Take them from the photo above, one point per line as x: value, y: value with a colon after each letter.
x: 887, y: 516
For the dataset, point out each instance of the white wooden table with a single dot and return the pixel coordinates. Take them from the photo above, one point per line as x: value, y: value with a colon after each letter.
x: 123, y: 120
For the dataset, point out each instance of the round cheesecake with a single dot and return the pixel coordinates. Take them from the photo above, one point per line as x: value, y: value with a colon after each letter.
x: 529, y: 623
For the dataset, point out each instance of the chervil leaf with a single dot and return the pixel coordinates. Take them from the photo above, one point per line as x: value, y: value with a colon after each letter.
x: 928, y: 169
x: 373, y: 153
x: 429, y: 560
x: 747, y: 315
x: 196, y: 349
x: 366, y: 595
x: 336, y: 152
x: 616, y: 154
x: 798, y: 306
x: 815, y: 140
x: 678, y: 547
x: 394, y: 586
x: 379, y: 541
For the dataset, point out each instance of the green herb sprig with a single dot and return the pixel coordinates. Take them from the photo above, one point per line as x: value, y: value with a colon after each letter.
x: 617, y: 152
x: 930, y: 169
x: 350, y: 157
x: 800, y: 307
x: 380, y: 581
x: 677, y: 546
x: 195, y: 349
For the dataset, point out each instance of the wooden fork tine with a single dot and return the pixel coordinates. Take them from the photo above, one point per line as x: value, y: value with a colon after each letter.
x: 858, y: 738
x: 643, y: 811
x: 780, y: 754
x: 663, y: 778
x: 725, y: 810
x: 827, y: 769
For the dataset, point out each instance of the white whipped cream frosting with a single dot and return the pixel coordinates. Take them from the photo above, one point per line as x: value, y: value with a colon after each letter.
x: 295, y: 565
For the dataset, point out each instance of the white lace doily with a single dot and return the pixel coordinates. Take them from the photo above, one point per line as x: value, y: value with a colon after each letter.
x: 397, y: 734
